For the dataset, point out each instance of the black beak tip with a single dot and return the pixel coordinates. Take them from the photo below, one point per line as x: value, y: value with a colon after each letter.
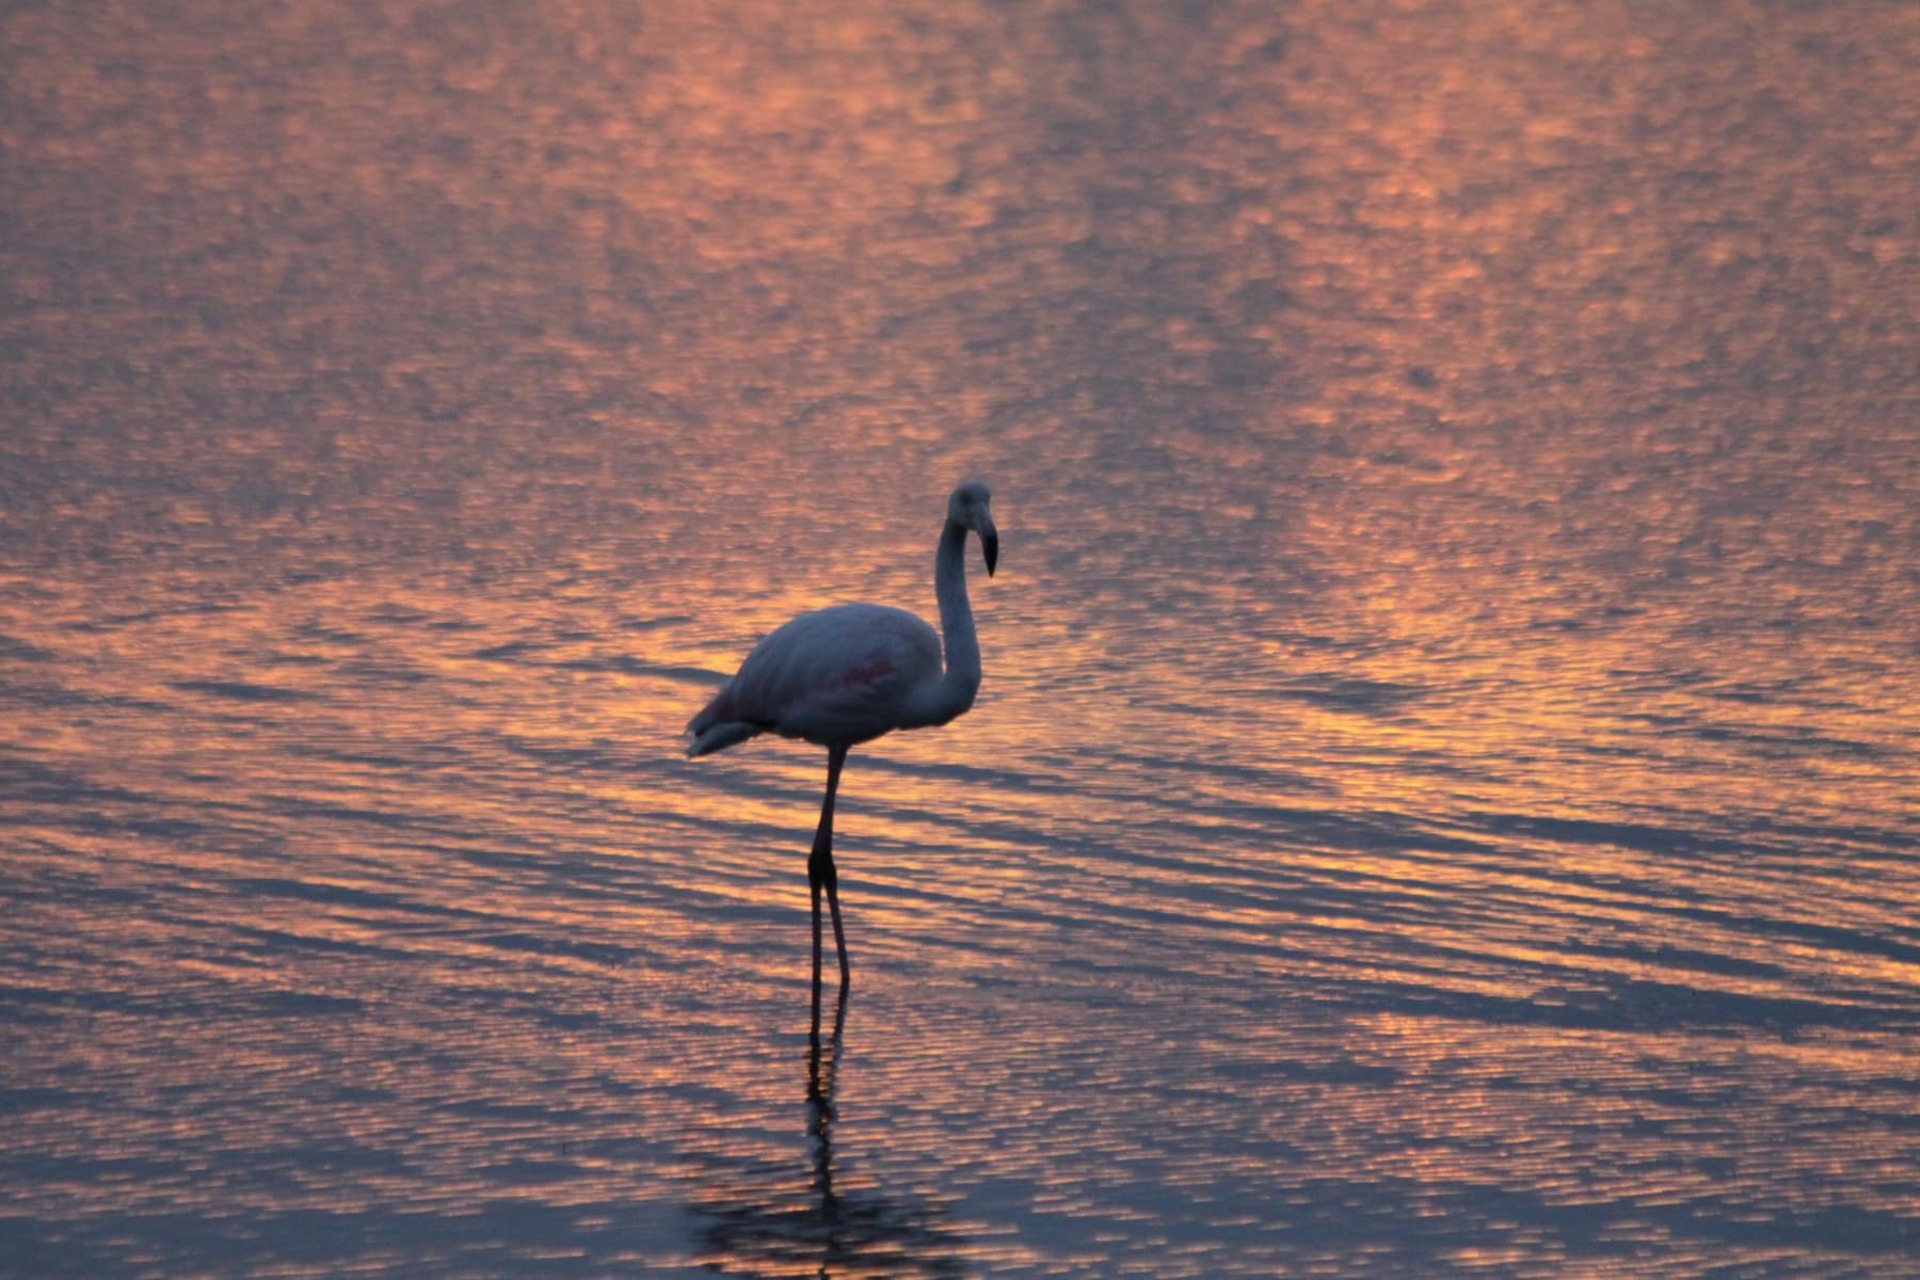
x: 991, y: 546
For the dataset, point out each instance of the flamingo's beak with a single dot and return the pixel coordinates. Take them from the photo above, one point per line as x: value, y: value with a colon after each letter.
x: 990, y: 544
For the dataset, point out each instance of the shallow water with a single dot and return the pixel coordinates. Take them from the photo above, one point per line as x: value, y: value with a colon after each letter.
x: 1441, y: 798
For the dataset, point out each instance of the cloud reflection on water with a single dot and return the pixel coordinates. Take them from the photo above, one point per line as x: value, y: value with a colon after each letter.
x: 1441, y: 795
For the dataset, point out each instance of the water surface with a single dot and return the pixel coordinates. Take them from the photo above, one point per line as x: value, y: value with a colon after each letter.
x: 1441, y: 799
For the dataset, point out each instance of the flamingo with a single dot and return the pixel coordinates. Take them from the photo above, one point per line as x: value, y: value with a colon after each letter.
x: 845, y: 675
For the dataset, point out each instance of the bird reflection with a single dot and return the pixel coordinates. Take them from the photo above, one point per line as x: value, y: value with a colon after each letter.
x: 820, y: 1102
x: 758, y: 1227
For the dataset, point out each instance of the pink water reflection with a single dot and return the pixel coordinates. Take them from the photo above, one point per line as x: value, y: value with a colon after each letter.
x: 1440, y: 794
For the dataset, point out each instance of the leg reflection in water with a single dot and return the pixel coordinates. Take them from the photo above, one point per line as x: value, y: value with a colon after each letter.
x: 820, y: 1102
x: 759, y: 1221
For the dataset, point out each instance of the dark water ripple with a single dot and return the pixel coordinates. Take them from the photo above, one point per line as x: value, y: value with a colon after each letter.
x: 1441, y: 801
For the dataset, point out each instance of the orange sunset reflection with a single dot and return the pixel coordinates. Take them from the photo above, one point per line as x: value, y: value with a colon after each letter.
x: 1439, y: 796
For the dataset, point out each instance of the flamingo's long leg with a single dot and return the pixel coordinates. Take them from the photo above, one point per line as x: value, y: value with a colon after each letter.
x: 813, y: 881
x: 821, y: 874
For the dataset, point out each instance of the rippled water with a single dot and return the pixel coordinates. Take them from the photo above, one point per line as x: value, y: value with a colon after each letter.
x: 1441, y: 799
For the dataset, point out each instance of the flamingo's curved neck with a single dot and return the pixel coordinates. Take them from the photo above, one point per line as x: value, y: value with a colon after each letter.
x: 962, y: 679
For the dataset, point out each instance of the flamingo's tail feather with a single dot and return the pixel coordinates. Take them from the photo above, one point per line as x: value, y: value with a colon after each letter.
x: 718, y: 737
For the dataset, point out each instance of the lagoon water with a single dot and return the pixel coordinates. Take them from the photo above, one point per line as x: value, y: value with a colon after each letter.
x: 1442, y: 799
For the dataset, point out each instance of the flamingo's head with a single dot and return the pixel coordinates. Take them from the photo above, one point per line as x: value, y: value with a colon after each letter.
x: 969, y: 507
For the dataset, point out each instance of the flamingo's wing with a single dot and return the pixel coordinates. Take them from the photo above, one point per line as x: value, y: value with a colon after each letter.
x: 841, y: 675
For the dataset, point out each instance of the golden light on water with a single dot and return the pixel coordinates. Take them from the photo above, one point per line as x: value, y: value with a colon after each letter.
x: 1440, y: 794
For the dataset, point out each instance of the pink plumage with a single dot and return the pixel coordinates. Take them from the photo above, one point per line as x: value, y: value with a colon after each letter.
x: 843, y: 675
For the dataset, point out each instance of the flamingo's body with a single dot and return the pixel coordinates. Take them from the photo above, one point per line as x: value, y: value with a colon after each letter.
x: 845, y: 675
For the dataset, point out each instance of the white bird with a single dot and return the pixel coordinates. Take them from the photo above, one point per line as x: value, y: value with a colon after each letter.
x: 848, y: 674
